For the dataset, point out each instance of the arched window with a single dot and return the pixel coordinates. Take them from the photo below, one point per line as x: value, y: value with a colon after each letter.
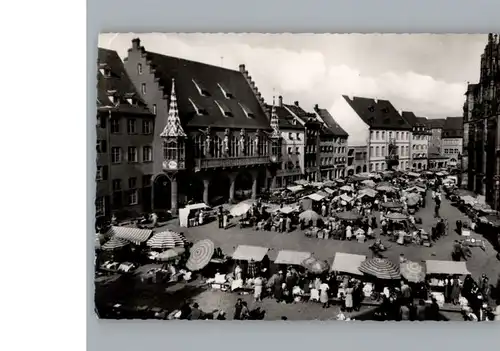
x: 199, y: 145
x: 217, y: 143
x: 234, y: 146
x: 170, y: 150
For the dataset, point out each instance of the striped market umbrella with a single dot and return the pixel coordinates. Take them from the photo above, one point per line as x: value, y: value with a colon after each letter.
x: 380, y: 268
x: 315, y: 266
x: 114, y: 243
x: 200, y: 254
x: 412, y: 271
x: 309, y: 215
x: 386, y: 188
x: 166, y: 240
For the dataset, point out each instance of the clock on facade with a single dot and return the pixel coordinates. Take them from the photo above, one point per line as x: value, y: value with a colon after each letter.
x: 170, y: 164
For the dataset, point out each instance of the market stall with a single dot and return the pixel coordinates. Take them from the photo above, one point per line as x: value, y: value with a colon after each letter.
x: 437, y: 273
x: 288, y: 257
x: 247, y: 253
x: 134, y: 235
x: 347, y: 263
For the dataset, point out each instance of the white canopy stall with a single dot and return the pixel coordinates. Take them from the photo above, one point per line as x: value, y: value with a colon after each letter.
x: 291, y: 257
x: 247, y: 253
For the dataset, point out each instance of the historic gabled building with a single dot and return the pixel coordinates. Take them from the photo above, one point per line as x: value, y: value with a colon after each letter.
x: 436, y: 158
x: 419, y: 144
x: 481, y: 127
x: 292, y: 148
x: 213, y: 139
x: 335, y: 150
x: 388, y: 135
x: 124, y: 147
x: 312, y: 129
x: 452, y: 140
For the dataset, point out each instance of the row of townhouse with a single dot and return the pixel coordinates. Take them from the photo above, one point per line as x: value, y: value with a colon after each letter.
x: 170, y: 130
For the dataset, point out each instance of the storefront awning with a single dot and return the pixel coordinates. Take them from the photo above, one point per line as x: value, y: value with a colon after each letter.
x: 295, y: 188
x: 134, y: 235
x: 347, y: 263
x: 315, y: 197
x: 446, y: 267
x: 329, y: 191
x: 247, y: 253
x: 291, y: 257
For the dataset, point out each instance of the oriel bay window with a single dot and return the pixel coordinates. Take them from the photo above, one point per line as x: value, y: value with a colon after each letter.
x: 173, y: 150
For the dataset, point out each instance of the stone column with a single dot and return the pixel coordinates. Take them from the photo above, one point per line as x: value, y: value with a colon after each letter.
x: 254, y: 185
x: 232, y: 180
x: 173, y: 198
x: 273, y: 182
x: 206, y: 184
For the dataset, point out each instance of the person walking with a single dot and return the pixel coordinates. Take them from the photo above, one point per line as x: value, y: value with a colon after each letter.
x: 323, y: 297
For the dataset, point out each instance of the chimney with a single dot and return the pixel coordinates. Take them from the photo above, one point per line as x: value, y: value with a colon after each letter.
x: 252, y: 85
x: 316, y: 107
x: 296, y: 103
x: 259, y: 95
x: 242, y: 68
x: 136, y: 43
x: 280, y: 101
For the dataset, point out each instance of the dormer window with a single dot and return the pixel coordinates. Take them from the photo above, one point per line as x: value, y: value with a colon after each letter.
x: 226, y: 112
x: 201, y: 89
x: 294, y: 122
x: 385, y: 110
x: 131, y: 101
x: 199, y: 111
x: 371, y: 109
x: 106, y: 72
x: 225, y: 91
x: 247, y: 111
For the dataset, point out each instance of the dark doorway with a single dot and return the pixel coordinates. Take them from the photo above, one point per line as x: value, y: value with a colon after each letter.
x: 218, y: 190
x: 162, y: 192
x: 146, y: 199
x: 243, y: 185
x: 193, y: 188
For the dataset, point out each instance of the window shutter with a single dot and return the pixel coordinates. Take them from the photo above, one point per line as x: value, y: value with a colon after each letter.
x: 104, y: 172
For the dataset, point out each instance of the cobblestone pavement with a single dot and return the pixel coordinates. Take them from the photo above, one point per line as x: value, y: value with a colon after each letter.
x: 480, y: 262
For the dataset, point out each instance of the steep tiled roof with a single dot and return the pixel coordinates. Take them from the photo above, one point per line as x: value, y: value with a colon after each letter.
x: 436, y: 123
x: 422, y: 120
x: 378, y: 114
x: 221, y: 89
x: 336, y: 129
x: 285, y: 118
x: 298, y: 111
x: 410, y: 118
x: 453, y: 127
x: 117, y: 80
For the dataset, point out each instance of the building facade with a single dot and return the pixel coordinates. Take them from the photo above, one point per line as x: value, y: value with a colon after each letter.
x: 419, y: 144
x: 312, y: 147
x: 357, y: 160
x: 293, y: 147
x: 337, y: 154
x: 452, y: 141
x: 481, y: 111
x: 124, y: 142
x: 225, y: 148
x: 387, y: 130
x: 436, y: 157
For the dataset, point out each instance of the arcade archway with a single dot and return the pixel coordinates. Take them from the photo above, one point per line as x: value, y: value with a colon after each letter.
x: 193, y: 188
x: 364, y: 169
x: 218, y: 190
x: 243, y: 185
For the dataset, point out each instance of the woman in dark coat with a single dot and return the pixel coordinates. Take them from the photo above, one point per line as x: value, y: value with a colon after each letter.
x: 278, y: 287
x: 455, y: 291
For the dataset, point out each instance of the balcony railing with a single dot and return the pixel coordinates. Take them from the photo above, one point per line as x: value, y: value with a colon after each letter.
x: 232, y: 161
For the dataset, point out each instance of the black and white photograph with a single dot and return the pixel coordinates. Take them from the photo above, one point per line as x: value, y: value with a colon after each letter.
x: 348, y: 177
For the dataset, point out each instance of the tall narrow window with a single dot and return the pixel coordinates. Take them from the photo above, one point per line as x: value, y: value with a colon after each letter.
x: 132, y: 154
x: 116, y: 155
x: 115, y: 125
x: 131, y: 126
x: 143, y: 88
x: 154, y: 109
x: 139, y: 68
x: 147, y: 154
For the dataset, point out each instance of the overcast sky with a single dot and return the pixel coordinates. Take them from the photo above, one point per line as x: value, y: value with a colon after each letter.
x: 426, y: 74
